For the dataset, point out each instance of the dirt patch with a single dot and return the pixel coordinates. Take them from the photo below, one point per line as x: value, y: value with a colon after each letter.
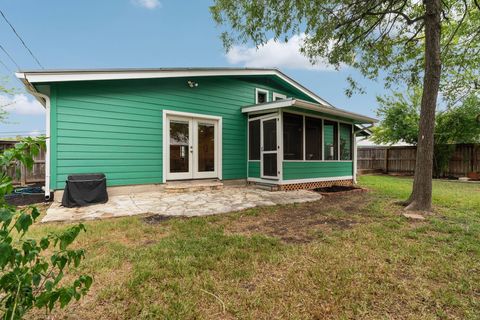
x: 336, y: 190
x: 25, y: 199
x: 306, y: 222
x: 156, y: 219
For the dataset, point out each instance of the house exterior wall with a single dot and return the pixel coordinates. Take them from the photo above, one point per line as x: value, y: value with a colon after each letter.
x: 254, y: 169
x: 295, y: 170
x: 115, y: 127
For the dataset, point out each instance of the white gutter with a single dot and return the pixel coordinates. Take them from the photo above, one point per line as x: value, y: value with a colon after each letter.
x: 46, y: 76
x: 40, y: 96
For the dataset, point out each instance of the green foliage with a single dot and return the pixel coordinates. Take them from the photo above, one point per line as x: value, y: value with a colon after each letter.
x: 31, y: 271
x: 5, y: 90
x: 379, y: 38
x: 400, y: 115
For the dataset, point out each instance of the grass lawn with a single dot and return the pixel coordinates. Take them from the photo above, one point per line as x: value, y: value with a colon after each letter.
x: 343, y: 257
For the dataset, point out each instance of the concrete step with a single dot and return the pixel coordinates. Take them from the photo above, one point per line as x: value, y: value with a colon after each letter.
x: 193, y: 185
x: 265, y: 186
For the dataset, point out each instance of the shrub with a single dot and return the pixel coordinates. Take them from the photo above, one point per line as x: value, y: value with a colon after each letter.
x: 31, y: 271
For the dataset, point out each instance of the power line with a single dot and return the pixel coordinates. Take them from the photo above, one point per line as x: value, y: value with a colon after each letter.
x: 9, y: 56
x: 21, y: 40
x: 5, y: 66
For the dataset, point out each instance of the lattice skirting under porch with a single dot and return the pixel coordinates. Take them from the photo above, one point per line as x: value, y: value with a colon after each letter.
x: 314, y: 185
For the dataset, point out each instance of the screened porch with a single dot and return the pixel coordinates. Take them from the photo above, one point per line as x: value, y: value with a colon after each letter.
x: 294, y: 141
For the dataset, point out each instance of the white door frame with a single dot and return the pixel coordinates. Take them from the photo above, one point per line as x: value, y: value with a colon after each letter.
x: 169, y: 114
x: 276, y: 151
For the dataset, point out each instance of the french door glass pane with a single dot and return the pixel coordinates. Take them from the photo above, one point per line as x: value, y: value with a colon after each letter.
x: 179, y: 142
x: 270, y: 164
x: 206, y: 147
x: 270, y: 135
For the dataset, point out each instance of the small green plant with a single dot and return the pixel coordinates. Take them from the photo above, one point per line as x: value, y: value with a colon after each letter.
x: 31, y: 271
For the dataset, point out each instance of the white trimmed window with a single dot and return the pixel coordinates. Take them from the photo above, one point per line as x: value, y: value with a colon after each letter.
x: 278, y: 96
x: 261, y: 96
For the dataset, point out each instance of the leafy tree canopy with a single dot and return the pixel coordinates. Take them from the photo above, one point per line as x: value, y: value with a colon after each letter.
x: 400, y: 115
x: 377, y: 37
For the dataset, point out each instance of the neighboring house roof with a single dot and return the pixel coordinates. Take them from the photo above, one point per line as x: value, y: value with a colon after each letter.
x: 291, y: 102
x: 30, y: 77
x: 369, y: 143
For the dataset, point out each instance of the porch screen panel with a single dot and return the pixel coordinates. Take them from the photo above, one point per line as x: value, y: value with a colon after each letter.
x: 292, y: 136
x: 254, y: 140
x: 345, y: 142
x: 270, y: 164
x: 313, y: 138
x: 330, y: 139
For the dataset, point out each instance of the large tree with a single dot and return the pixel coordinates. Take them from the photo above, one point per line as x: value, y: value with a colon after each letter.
x: 398, y: 41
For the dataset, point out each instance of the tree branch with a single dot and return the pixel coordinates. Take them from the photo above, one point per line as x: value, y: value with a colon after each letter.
x: 447, y: 45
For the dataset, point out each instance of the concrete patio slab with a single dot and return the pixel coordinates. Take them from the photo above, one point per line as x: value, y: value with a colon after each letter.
x: 188, y: 204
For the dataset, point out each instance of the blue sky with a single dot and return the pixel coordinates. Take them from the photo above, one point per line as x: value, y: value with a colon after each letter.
x: 143, y: 33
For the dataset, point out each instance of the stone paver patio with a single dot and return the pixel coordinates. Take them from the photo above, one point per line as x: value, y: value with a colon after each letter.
x: 188, y: 204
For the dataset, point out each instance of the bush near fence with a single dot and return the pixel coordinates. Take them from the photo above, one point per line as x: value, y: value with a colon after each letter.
x: 401, y: 160
x: 36, y: 175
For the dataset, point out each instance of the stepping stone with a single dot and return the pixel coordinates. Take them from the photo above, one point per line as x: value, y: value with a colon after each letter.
x: 414, y: 216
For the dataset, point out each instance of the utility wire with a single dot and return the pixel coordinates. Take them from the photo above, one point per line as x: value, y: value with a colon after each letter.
x: 10, y: 57
x: 21, y: 40
x: 5, y: 66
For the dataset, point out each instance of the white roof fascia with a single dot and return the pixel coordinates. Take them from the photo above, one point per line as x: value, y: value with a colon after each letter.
x: 89, y: 75
x: 309, y: 106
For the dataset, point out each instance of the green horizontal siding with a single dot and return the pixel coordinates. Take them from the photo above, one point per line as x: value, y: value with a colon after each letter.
x: 311, y: 170
x: 254, y: 169
x: 115, y: 127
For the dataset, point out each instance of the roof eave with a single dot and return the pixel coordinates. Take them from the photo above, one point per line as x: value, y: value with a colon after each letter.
x: 42, y: 76
x: 309, y: 106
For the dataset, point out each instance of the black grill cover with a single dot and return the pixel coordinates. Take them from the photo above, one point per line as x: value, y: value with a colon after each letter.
x: 84, y: 189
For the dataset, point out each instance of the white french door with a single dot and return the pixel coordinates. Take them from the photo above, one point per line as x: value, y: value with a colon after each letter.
x: 192, y: 148
x: 269, y: 148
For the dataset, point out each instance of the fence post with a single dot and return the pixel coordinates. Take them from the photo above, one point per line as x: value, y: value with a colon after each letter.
x: 472, y: 158
x: 23, y: 175
x: 386, y: 160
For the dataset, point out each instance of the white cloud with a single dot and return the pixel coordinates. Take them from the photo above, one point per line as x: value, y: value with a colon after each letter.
x: 148, y: 4
x: 276, y: 55
x: 21, y: 104
x: 35, y: 133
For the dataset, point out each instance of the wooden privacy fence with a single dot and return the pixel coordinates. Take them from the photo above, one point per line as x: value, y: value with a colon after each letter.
x: 36, y: 175
x: 401, y: 160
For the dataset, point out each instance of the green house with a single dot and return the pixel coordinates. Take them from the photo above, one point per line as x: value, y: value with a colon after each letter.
x: 152, y: 126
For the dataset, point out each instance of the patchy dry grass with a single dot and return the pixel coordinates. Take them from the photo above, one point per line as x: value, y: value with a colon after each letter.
x: 349, y: 256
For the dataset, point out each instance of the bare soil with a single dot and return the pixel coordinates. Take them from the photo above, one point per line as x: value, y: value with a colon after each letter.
x: 306, y: 222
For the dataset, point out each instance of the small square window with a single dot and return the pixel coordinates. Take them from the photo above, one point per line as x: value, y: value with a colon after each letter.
x: 278, y: 96
x: 261, y: 96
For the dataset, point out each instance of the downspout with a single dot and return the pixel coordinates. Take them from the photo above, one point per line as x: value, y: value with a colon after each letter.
x: 46, y: 188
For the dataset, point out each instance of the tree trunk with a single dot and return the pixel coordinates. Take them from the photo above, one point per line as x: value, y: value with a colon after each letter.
x: 421, y: 197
